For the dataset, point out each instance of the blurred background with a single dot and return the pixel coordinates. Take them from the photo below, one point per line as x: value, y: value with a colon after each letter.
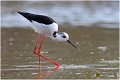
x: 75, y: 13
x: 93, y: 27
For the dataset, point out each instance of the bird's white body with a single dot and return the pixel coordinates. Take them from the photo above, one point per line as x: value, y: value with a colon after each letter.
x: 44, y: 29
x: 46, y: 25
x: 48, y: 30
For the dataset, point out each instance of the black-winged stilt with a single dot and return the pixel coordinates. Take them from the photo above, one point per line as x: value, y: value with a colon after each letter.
x: 47, y: 26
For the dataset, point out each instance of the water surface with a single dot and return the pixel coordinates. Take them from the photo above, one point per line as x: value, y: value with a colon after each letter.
x: 97, y: 52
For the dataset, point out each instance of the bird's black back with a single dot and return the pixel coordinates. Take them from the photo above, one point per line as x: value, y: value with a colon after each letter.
x: 38, y: 18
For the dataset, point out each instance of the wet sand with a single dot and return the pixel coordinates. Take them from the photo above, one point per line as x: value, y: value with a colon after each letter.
x: 98, y: 51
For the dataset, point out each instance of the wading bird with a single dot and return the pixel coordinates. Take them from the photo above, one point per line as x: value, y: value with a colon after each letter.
x: 49, y: 28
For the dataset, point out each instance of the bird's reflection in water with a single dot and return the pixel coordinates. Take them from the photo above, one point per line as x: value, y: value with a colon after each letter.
x: 39, y: 77
x: 47, y: 73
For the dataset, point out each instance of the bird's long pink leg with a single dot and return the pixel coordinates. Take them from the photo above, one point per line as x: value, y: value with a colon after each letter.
x: 39, y: 51
x: 34, y: 51
x: 38, y: 38
x: 43, y: 38
x: 45, y: 56
x: 49, y: 60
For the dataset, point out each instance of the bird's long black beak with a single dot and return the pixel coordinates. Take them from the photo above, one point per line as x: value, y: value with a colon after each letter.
x: 72, y: 44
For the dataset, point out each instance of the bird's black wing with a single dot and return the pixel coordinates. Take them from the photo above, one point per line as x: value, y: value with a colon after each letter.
x: 38, y: 18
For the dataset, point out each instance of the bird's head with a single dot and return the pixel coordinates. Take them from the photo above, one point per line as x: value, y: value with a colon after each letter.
x: 65, y: 37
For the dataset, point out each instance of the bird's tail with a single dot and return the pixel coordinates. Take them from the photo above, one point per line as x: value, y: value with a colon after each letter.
x: 28, y: 17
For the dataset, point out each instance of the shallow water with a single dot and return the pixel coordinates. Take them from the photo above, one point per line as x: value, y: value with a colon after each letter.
x: 97, y: 52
